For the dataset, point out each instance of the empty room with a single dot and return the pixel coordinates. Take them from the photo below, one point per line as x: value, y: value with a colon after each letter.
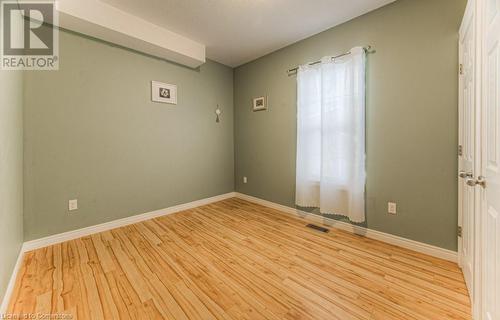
x: 250, y: 159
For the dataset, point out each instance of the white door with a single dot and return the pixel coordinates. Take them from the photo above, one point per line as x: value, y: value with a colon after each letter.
x: 490, y: 164
x: 467, y: 47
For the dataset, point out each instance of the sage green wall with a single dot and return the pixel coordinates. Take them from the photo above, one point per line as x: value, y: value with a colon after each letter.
x: 11, y: 173
x: 411, y: 117
x: 93, y: 134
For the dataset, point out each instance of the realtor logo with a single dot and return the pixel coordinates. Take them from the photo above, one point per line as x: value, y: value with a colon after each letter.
x: 29, y: 38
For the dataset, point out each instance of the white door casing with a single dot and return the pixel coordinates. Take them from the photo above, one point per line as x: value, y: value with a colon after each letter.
x: 479, y: 135
x: 466, y: 160
x: 490, y: 164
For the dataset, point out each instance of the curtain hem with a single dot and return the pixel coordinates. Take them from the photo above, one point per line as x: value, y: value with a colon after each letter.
x: 307, y: 205
x: 336, y: 214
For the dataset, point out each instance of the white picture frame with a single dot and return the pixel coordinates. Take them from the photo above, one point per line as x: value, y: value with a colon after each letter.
x: 163, y: 92
x: 259, y: 103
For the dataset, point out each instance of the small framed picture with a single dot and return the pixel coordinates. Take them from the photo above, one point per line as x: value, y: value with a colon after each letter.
x: 259, y: 104
x: 163, y: 92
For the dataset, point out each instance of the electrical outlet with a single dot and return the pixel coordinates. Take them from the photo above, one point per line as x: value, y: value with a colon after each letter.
x: 72, y: 205
x: 391, y: 207
x: 245, y: 180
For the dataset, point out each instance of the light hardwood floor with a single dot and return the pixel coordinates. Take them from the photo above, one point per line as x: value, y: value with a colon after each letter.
x: 236, y: 260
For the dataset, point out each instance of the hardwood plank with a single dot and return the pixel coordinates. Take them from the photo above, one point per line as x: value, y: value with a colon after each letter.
x: 236, y: 260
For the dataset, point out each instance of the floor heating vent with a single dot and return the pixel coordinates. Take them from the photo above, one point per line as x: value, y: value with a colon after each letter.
x: 318, y: 228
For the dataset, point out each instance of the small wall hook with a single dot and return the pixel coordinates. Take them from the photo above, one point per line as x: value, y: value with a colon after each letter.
x: 218, y: 112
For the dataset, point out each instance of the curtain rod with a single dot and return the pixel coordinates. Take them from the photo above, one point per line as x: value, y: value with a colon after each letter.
x: 294, y: 70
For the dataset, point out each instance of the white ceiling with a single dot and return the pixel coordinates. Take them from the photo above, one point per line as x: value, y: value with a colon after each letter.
x: 238, y: 31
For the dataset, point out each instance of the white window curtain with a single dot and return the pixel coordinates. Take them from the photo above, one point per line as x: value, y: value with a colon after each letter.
x: 331, y: 136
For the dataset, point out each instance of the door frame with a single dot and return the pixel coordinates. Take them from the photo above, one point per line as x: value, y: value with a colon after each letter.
x: 477, y: 306
x: 478, y: 168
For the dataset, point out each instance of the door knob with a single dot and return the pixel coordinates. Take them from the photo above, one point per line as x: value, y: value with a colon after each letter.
x: 465, y: 175
x: 480, y: 181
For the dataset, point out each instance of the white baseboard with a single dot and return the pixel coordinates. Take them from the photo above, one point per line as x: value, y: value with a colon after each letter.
x: 70, y: 235
x: 12, y: 282
x: 75, y: 234
x: 369, y: 233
